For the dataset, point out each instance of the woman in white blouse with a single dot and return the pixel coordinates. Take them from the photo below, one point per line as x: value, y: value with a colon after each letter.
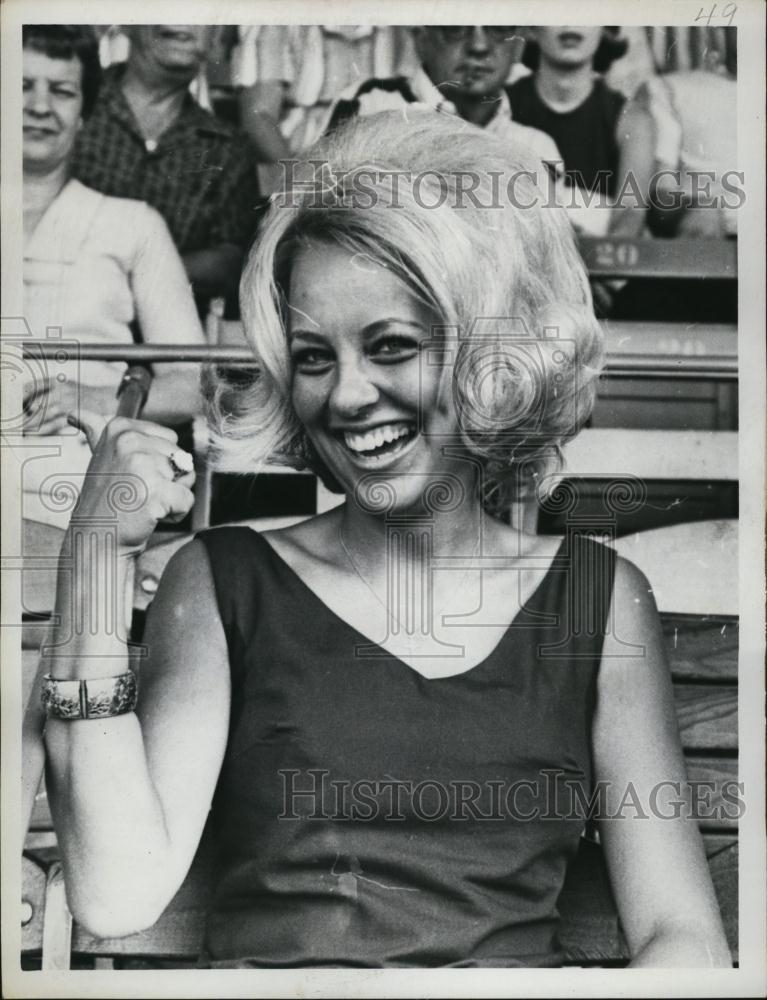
x: 95, y: 269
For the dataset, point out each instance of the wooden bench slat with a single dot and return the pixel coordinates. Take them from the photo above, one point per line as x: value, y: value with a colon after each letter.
x: 654, y: 454
x: 664, y: 339
x: 33, y: 881
x: 707, y: 715
x: 718, y: 808
x: 590, y: 928
x: 706, y: 549
x: 717, y: 841
x: 702, y: 649
x: 624, y: 257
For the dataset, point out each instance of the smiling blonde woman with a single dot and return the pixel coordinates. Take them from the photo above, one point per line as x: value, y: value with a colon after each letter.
x: 392, y: 707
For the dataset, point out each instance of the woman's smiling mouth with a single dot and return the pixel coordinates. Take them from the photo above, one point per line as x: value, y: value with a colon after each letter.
x: 379, y: 443
x: 39, y: 131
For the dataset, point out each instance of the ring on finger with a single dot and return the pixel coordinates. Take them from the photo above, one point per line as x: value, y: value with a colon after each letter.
x: 181, y: 463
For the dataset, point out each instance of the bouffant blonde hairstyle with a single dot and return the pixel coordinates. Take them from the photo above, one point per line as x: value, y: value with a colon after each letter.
x: 468, y: 222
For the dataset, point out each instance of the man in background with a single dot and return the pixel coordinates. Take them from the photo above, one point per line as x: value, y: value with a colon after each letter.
x: 463, y: 71
x: 149, y: 139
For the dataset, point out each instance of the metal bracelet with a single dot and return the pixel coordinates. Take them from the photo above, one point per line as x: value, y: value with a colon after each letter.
x: 96, y: 698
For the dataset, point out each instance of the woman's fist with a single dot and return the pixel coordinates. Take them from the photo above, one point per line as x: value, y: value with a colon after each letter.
x: 137, y: 476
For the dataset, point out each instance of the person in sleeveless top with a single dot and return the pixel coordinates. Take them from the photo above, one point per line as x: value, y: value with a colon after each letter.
x: 395, y: 710
x: 607, y: 143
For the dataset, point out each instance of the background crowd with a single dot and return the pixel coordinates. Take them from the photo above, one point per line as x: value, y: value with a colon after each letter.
x: 149, y: 153
x: 194, y: 119
x: 603, y: 102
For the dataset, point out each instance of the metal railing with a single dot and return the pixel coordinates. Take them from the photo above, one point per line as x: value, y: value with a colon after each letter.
x: 619, y: 365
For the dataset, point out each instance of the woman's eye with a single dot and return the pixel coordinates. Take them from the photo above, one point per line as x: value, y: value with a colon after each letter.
x: 312, y: 361
x: 394, y: 349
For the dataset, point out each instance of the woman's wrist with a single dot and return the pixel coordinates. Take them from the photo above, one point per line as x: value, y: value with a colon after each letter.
x: 92, y: 535
x: 94, y: 604
x: 99, y: 399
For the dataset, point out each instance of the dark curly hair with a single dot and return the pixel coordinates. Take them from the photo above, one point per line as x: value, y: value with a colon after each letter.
x: 611, y: 47
x: 69, y: 41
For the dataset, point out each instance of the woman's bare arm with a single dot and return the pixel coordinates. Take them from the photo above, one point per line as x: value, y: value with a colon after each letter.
x: 260, y: 109
x: 636, y: 166
x: 657, y: 864
x: 167, y: 314
x: 129, y: 794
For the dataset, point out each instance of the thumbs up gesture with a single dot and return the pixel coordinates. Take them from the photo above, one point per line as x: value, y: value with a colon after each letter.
x: 137, y: 476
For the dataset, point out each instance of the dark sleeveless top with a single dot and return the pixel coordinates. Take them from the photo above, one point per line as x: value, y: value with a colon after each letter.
x: 367, y: 816
x: 585, y: 136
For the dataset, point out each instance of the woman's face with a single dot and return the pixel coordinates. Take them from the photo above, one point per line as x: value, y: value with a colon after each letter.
x: 53, y: 102
x: 568, y: 46
x: 366, y: 372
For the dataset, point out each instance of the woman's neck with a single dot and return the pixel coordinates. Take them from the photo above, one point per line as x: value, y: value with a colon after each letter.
x: 563, y: 88
x: 416, y: 537
x: 40, y: 191
x: 155, y: 105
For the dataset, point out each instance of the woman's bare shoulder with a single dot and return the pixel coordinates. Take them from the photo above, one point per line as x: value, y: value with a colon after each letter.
x: 632, y: 592
x: 314, y: 538
x: 505, y: 539
x: 633, y: 643
x: 184, y: 631
x: 186, y: 585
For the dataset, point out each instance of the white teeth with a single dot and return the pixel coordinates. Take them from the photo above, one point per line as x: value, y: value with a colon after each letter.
x: 376, y: 437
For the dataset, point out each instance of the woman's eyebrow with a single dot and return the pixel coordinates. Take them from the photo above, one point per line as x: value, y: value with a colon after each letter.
x: 384, y: 324
x: 304, y: 335
x: 53, y: 81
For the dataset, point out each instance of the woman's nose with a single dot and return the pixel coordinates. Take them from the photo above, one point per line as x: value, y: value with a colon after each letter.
x: 38, y: 99
x: 353, y: 390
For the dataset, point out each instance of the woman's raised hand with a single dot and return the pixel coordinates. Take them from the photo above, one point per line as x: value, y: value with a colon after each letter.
x: 136, y: 477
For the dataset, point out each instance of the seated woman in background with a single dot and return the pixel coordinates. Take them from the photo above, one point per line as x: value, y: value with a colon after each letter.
x: 374, y: 701
x: 95, y: 267
x: 695, y: 112
x: 607, y: 143
x: 698, y: 190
